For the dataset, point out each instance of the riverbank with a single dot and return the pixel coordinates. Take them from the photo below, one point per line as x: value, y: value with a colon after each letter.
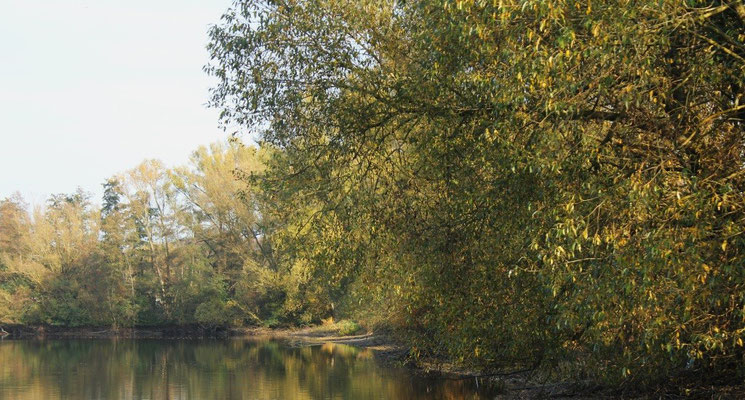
x: 522, y: 384
x: 387, y: 350
x: 93, y: 332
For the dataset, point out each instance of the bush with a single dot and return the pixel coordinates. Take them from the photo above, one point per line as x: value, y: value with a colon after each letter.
x: 212, y: 313
x: 347, y: 327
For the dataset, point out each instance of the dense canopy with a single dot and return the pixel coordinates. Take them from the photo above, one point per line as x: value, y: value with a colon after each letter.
x: 514, y: 182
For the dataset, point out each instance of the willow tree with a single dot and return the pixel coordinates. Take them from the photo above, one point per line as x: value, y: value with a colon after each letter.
x: 517, y: 181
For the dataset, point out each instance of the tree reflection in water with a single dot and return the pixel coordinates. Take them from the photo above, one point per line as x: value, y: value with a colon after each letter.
x: 208, y: 369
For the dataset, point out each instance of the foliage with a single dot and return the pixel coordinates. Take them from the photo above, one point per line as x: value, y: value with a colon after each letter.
x: 347, y: 327
x: 514, y: 183
x: 509, y: 184
x: 166, y: 247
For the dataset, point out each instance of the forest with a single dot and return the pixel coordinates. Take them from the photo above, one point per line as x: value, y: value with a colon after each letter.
x: 505, y: 184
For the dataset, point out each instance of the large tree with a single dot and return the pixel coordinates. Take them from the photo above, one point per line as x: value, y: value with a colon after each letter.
x: 518, y: 181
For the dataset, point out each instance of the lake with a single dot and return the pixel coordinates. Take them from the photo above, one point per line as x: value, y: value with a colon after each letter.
x: 251, y: 368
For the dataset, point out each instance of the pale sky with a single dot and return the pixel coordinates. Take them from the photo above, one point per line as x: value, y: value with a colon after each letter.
x: 89, y: 88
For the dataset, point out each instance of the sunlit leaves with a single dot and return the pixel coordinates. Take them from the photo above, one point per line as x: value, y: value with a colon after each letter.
x: 544, y: 177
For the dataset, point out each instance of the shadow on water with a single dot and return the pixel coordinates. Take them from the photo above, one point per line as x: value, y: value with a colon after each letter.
x: 208, y: 369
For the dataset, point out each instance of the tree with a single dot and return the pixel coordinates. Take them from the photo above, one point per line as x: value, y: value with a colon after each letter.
x: 151, y: 204
x: 551, y: 178
x: 14, y: 233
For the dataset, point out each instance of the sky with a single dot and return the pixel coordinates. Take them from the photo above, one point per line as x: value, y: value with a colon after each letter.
x: 90, y: 88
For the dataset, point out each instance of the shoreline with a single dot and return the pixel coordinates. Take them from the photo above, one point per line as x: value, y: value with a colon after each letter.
x: 386, y: 350
x: 15, y: 331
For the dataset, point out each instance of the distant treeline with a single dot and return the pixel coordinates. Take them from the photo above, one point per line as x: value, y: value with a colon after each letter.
x: 511, y: 184
x: 167, y: 246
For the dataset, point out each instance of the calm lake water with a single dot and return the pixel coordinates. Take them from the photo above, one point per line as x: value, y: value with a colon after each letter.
x: 208, y: 369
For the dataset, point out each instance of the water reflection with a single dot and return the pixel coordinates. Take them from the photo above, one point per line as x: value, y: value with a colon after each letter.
x: 207, y: 369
